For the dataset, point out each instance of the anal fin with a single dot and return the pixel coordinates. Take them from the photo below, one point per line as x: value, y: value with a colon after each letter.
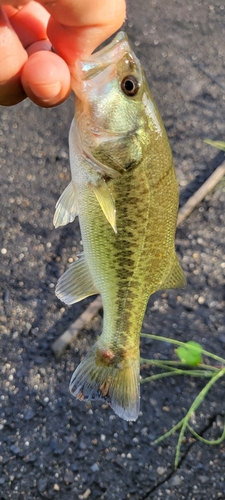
x: 106, y: 202
x: 76, y: 283
x: 66, y: 207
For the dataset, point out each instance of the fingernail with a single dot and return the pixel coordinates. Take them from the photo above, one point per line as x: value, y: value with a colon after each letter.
x: 44, y: 91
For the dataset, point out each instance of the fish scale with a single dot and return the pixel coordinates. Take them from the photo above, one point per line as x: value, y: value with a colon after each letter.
x: 125, y: 193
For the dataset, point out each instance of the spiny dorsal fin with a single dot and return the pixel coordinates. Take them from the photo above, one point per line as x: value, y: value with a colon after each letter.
x: 76, y: 283
x: 66, y: 207
x: 106, y: 202
x: 176, y: 278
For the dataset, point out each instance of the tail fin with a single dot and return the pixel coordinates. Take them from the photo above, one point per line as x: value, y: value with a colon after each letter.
x: 112, y: 378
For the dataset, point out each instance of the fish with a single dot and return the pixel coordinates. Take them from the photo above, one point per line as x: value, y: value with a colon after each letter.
x: 125, y: 193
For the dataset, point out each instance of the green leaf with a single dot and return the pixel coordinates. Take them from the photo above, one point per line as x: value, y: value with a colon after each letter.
x: 190, y: 354
x: 216, y: 144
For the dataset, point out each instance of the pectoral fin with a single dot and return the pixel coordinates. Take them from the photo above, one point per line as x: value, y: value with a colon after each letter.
x: 106, y: 202
x: 76, y: 283
x: 176, y: 278
x: 66, y: 207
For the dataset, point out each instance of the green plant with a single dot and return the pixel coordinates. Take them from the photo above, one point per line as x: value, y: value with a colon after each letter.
x: 190, y: 363
x: 216, y: 144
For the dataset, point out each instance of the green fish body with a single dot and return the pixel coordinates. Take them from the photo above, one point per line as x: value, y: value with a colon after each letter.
x: 125, y: 192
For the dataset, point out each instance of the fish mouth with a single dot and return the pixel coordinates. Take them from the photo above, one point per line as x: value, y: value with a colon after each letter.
x: 104, y: 59
x: 99, y: 60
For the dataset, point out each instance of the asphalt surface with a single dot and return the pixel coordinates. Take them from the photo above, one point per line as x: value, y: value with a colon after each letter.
x: 52, y: 446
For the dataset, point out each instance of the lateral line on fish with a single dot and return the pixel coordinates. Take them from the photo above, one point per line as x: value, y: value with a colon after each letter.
x: 138, y: 260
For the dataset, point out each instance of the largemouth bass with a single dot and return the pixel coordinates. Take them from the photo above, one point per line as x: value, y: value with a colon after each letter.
x: 125, y: 192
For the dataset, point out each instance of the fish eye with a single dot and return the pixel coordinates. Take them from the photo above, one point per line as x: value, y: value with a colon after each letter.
x: 130, y: 85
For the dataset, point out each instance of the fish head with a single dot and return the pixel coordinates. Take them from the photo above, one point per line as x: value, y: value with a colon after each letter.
x: 110, y: 112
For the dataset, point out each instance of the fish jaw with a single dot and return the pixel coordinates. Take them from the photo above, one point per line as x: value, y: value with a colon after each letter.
x: 96, y: 63
x: 111, y: 376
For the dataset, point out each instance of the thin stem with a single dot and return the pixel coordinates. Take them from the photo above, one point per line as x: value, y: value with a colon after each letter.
x: 177, y: 372
x: 208, y: 441
x: 169, y: 433
x: 158, y: 376
x: 168, y: 363
x: 198, y: 400
x: 177, y: 342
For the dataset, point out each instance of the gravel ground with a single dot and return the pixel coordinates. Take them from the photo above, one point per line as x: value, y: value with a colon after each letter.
x: 50, y: 445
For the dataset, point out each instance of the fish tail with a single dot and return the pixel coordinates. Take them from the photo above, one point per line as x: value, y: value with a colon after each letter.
x: 113, y: 378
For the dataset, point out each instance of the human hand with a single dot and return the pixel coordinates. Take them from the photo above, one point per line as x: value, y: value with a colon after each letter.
x: 28, y: 30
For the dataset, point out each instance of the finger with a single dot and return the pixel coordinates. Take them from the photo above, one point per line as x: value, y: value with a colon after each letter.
x: 15, y: 3
x: 77, y: 27
x: 46, y: 78
x: 12, y: 58
x: 29, y: 23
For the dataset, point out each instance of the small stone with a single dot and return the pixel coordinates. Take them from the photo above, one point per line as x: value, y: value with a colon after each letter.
x: 15, y: 449
x: 30, y: 458
x: 203, y: 478
x: 74, y: 467
x: 59, y: 451
x: 82, y: 445
x: 53, y: 444
x: 42, y: 371
x: 109, y: 456
x: 86, y: 494
x: 56, y: 487
x: 176, y: 480
x: 29, y: 414
x: 103, y: 437
x: 6, y: 296
x: 3, y: 251
x: 42, y: 484
x: 221, y: 338
x: 39, y: 360
x: 96, y: 494
x: 35, y: 331
x: 20, y: 373
x: 161, y: 470
x: 95, y: 467
x: 68, y: 476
